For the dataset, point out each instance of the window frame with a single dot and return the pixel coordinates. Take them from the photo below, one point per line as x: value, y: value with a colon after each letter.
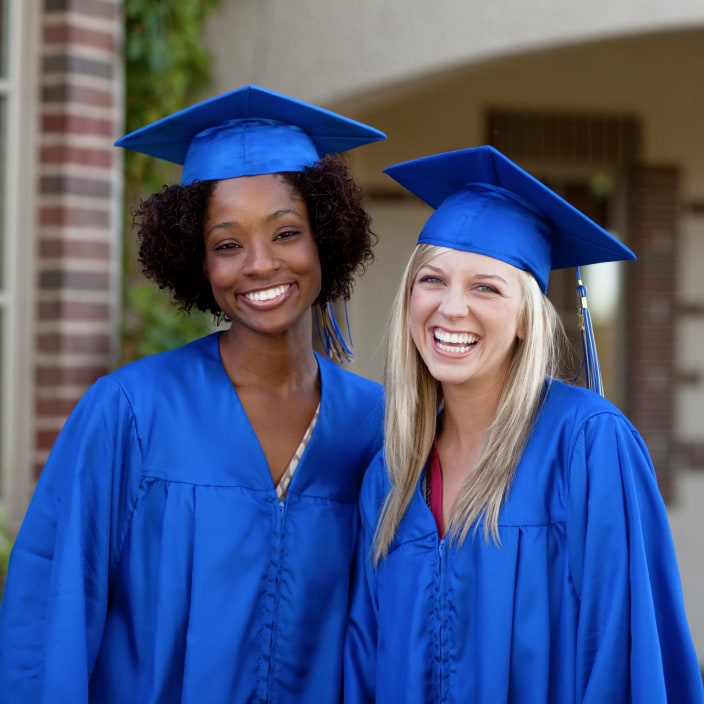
x: 19, y: 89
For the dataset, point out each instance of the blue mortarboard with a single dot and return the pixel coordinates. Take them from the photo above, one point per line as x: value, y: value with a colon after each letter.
x: 486, y: 203
x: 247, y: 132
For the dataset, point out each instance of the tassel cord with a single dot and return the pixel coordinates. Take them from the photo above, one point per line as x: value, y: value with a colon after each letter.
x: 590, y: 361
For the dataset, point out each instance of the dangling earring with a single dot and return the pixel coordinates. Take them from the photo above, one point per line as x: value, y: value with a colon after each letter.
x: 330, y: 335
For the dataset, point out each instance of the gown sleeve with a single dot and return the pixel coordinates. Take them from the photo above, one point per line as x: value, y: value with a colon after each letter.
x: 55, y: 598
x: 361, y: 639
x: 633, y: 641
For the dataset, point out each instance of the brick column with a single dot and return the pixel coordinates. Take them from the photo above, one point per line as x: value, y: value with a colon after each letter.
x: 650, y: 306
x: 79, y: 207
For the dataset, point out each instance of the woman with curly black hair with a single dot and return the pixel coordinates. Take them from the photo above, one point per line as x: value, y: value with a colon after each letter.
x: 191, y: 536
x: 170, y: 231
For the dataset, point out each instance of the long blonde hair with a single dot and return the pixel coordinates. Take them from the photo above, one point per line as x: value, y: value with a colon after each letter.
x: 413, y: 398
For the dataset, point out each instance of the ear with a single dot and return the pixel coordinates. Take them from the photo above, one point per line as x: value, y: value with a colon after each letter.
x: 206, y: 273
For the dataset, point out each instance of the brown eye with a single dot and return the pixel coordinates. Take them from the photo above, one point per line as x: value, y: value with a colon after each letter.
x: 286, y: 234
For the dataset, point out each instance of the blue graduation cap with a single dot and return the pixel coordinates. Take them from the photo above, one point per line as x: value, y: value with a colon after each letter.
x: 485, y: 203
x: 247, y: 132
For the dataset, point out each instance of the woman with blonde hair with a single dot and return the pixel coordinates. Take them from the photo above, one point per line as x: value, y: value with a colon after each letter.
x: 515, y: 547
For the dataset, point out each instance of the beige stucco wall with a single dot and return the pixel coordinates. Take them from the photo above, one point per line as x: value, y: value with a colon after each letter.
x: 323, y: 50
x: 687, y: 529
x: 427, y: 72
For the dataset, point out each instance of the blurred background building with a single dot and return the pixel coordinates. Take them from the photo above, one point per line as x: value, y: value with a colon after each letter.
x: 601, y: 100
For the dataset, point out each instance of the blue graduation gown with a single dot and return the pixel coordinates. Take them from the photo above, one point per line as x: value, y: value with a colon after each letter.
x: 582, y: 601
x: 155, y: 562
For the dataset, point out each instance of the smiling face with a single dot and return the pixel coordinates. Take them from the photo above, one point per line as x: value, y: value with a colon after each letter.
x: 465, y: 310
x: 260, y: 255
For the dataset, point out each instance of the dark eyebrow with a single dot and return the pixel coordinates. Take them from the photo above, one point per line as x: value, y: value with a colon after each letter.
x: 281, y: 213
x: 233, y: 224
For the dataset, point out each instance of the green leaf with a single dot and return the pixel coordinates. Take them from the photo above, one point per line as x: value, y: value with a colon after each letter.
x: 167, y: 66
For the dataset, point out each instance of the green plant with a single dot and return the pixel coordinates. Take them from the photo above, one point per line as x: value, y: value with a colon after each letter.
x: 154, y: 325
x: 166, y: 67
x: 7, y: 540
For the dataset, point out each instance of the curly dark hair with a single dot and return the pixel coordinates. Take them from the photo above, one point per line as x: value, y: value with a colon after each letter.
x: 169, y: 227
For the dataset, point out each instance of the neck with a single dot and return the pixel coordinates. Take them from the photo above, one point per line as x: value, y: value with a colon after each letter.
x: 467, y: 414
x: 282, y: 361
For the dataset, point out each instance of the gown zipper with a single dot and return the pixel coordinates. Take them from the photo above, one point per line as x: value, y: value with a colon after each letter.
x: 441, y: 606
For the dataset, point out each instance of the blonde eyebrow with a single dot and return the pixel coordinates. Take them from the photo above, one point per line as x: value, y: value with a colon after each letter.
x: 482, y: 277
x: 492, y: 277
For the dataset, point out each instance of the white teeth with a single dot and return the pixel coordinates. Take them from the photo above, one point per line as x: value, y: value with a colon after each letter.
x: 453, y: 348
x: 267, y: 295
x: 455, y: 338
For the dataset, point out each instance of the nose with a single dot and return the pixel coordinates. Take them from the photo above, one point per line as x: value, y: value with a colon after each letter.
x: 260, y: 259
x: 454, y: 303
